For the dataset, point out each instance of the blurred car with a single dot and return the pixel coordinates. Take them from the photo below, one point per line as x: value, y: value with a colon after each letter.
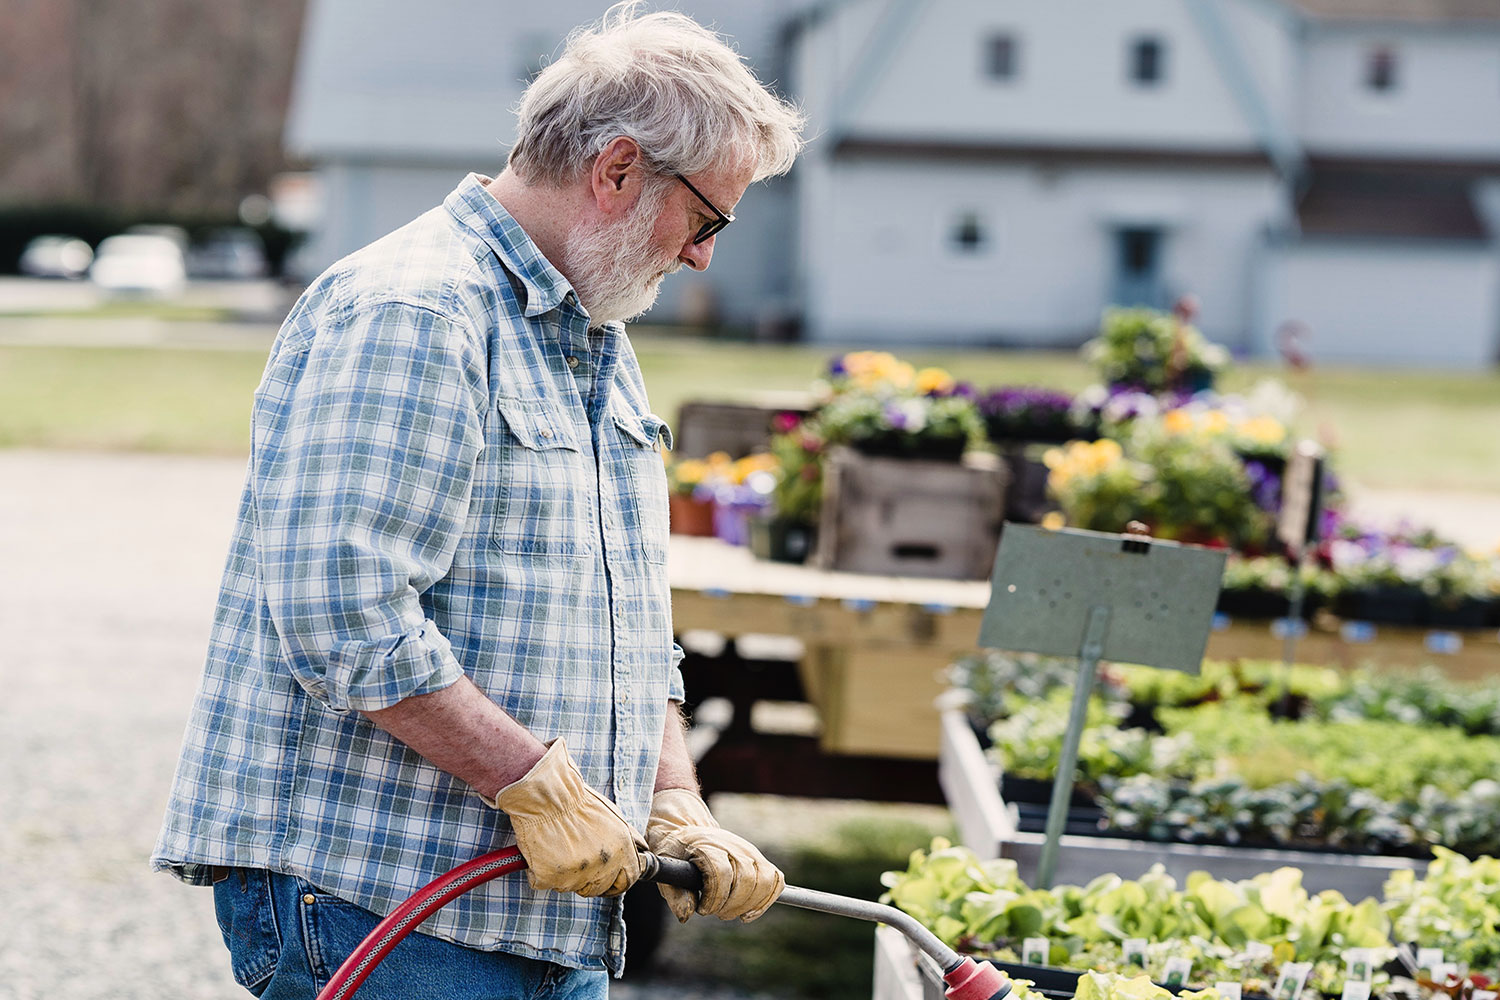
x: 56, y: 257
x: 140, y: 263
x: 235, y: 254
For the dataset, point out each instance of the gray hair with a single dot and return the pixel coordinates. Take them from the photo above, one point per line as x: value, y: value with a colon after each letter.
x: 660, y: 79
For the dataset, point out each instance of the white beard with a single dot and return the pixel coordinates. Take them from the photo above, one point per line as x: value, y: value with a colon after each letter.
x: 612, y: 266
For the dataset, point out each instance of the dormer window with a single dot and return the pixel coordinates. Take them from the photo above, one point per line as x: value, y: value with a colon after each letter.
x: 1000, y: 57
x: 1148, y: 61
x: 1380, y: 69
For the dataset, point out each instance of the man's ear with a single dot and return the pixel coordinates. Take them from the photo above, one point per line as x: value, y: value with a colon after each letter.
x: 615, y: 179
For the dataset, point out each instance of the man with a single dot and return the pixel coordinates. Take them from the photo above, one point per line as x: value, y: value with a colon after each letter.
x: 445, y: 622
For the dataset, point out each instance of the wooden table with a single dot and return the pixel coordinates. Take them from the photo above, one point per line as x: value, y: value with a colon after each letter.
x: 877, y: 646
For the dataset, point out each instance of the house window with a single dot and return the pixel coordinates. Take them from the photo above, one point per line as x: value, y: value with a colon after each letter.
x: 968, y: 234
x: 1148, y: 57
x: 1000, y: 57
x: 1380, y: 69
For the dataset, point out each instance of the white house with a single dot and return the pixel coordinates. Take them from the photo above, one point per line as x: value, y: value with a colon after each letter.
x: 394, y: 101
x: 997, y: 171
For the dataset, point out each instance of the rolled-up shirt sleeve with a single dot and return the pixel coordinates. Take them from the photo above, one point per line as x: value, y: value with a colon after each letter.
x: 364, y: 442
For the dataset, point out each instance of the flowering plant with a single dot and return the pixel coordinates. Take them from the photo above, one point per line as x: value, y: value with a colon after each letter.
x: 901, y: 423
x: 1028, y: 413
x: 699, y: 477
x: 1098, y: 487
x: 1154, y: 352
x: 1187, y: 486
x: 1443, y: 572
x: 798, y: 449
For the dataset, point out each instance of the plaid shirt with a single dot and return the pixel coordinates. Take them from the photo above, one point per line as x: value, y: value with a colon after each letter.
x: 447, y: 476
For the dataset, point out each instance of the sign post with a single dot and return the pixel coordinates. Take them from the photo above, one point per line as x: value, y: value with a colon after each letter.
x: 1129, y: 598
x: 1297, y: 529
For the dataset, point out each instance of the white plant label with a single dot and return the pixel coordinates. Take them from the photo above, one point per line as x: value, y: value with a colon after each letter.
x: 1177, y: 972
x: 1360, y: 964
x: 1355, y: 989
x: 1427, y: 958
x: 1135, y: 952
x: 1293, y: 977
x: 1034, y: 951
x: 1229, y: 991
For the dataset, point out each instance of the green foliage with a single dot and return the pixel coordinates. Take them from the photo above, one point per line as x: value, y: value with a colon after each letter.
x: 984, y: 908
x: 1222, y: 765
x: 1198, y: 490
x: 1154, y: 352
x: 1456, y: 907
x: 798, y: 494
x: 1028, y: 740
x: 900, y: 421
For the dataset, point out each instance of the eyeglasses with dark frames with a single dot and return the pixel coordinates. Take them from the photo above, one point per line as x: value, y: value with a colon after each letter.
x: 711, y: 227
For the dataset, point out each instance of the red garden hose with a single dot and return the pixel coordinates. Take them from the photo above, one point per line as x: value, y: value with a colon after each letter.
x: 966, y: 979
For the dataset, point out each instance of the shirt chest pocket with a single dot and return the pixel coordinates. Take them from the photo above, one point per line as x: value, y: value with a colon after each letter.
x: 641, y: 481
x: 544, y: 489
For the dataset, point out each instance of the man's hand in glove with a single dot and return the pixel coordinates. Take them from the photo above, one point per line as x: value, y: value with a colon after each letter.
x: 737, y: 879
x: 573, y: 838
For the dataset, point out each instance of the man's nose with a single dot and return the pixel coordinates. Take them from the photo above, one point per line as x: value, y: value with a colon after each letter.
x: 697, y: 255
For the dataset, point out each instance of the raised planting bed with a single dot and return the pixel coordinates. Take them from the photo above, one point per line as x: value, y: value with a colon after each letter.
x: 989, y: 825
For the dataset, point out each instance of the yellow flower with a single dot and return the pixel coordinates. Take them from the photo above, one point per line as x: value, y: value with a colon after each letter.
x: 1262, y: 430
x: 1053, y: 519
x: 743, y: 468
x: 1177, y: 421
x: 931, y: 380
x: 1215, y: 422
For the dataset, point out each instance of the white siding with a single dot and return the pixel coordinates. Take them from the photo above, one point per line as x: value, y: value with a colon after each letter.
x: 1071, y: 87
x: 888, y: 273
x: 1445, y: 103
x: 1391, y: 303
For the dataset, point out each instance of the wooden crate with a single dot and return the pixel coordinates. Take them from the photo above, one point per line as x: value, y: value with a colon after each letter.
x: 910, y: 517
x: 741, y: 429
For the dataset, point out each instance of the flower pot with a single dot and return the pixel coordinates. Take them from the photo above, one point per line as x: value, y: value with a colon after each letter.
x: 897, y: 445
x: 1252, y: 602
x: 691, y: 516
x: 781, y: 540
x: 1466, y: 612
x: 1257, y: 602
x: 1388, y: 605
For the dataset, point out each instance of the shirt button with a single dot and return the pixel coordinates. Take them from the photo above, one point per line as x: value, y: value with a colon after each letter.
x: 309, y: 899
x: 545, y: 432
x: 572, y: 362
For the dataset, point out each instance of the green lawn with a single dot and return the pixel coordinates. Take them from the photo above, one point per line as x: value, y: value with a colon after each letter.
x: 1393, y: 428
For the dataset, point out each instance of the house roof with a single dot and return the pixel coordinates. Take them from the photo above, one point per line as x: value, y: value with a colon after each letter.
x: 1428, y: 11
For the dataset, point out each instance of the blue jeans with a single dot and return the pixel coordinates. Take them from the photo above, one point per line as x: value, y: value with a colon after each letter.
x: 286, y: 939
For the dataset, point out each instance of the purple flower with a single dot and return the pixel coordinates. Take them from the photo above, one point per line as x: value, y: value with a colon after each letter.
x: 836, y: 366
x: 1265, y: 486
x: 896, y: 418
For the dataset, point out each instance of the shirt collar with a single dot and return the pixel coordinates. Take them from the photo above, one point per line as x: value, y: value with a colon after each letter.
x: 481, y: 212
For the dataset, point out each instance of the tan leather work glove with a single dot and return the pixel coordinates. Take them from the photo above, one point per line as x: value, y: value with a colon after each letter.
x: 738, y: 881
x: 573, y: 838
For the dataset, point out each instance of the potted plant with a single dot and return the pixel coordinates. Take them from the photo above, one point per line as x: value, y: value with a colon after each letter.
x: 1028, y: 413
x: 903, y: 424
x: 789, y: 533
x: 1155, y: 352
x: 690, y: 493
